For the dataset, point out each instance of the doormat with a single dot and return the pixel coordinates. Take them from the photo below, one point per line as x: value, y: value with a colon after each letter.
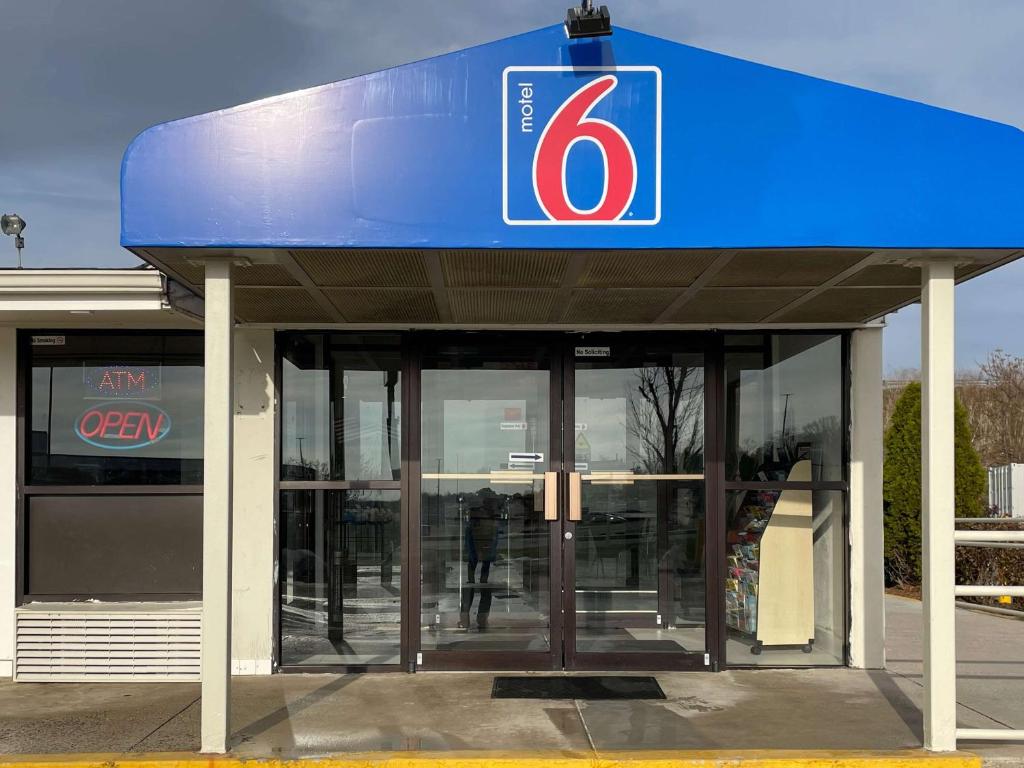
x: 587, y: 688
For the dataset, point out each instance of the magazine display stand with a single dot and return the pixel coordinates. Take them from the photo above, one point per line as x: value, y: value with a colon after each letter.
x: 770, y: 587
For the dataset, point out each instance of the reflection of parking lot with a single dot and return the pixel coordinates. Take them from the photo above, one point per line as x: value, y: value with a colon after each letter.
x: 485, y: 568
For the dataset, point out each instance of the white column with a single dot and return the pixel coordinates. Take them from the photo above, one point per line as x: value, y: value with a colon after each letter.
x: 867, y: 580
x: 253, y: 566
x: 937, y: 507
x: 217, y: 434
x: 8, y: 494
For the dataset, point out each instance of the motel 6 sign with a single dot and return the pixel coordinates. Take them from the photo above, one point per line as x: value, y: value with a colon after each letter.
x: 581, y: 146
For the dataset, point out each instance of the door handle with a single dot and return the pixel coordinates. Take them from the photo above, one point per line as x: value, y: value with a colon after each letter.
x: 551, y: 496
x: 575, y: 497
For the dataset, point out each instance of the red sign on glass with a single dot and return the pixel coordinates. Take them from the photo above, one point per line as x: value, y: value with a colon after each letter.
x: 127, y: 382
x: 123, y: 426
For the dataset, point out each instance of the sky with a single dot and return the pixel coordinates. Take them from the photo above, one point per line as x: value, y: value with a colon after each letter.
x: 82, y: 77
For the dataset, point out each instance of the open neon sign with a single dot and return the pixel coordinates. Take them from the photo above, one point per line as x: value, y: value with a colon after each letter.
x: 120, y: 426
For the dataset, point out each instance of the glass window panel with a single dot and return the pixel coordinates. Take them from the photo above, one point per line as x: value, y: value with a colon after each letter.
x: 484, y: 541
x: 640, y: 556
x: 641, y: 411
x: 784, y: 404
x: 639, y: 546
x: 340, y: 577
x: 785, y: 587
x: 117, y: 410
x: 340, y: 410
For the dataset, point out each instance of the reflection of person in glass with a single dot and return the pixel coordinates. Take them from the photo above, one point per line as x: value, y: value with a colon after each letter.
x: 481, y: 547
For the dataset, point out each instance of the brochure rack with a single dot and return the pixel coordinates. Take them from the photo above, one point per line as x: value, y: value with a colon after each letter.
x: 770, y: 585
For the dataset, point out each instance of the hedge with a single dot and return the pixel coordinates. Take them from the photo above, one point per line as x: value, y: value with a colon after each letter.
x: 902, y: 484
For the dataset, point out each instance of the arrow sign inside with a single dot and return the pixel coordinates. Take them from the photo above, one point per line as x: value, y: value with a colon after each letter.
x: 535, y: 458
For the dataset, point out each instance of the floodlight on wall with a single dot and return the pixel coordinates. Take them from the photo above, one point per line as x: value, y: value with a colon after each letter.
x: 13, y: 224
x: 586, y: 21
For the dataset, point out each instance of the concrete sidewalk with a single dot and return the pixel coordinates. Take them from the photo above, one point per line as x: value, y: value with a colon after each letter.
x: 291, y: 716
x: 303, y: 715
x: 990, y: 669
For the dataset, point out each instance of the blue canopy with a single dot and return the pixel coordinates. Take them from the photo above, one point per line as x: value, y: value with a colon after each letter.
x: 536, y: 141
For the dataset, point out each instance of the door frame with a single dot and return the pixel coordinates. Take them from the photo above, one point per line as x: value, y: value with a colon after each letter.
x: 709, y: 345
x: 432, y: 660
x: 561, y: 404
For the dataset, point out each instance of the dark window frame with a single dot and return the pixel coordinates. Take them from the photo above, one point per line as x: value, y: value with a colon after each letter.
x: 25, y: 492
x: 717, y: 487
x: 405, y: 351
x: 842, y: 486
x: 26, y: 367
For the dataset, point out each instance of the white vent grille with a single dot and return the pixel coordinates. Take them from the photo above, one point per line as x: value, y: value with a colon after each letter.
x: 90, y: 645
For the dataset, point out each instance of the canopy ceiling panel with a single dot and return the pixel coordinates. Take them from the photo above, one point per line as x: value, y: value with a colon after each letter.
x: 463, y: 269
x: 516, y: 306
x: 645, y: 268
x: 836, y: 304
x: 605, y: 288
x: 735, y: 305
x: 778, y: 268
x: 396, y: 268
x: 384, y: 305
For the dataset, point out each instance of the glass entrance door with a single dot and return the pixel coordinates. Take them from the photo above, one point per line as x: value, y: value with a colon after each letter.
x: 635, y: 527
x: 561, y: 503
x: 488, y: 526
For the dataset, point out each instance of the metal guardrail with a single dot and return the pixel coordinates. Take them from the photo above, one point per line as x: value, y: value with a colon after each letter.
x: 990, y: 520
x: 1004, y: 540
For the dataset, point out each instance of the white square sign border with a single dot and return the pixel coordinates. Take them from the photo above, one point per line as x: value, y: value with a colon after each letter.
x: 504, y: 148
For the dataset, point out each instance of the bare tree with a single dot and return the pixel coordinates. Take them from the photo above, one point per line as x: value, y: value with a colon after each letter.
x: 667, y: 418
x: 994, y: 400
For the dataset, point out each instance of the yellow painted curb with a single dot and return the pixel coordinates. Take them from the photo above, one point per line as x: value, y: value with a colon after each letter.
x: 675, y: 759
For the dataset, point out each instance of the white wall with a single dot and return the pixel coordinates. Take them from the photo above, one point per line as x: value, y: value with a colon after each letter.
x: 1006, y: 489
x: 8, y: 490
x: 254, y: 504
x: 867, y: 583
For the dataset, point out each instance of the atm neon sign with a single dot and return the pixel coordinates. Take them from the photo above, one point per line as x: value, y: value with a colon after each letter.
x: 122, y: 382
x: 123, y: 426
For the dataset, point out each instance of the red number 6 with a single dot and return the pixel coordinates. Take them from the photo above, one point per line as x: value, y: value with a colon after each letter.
x: 567, y: 126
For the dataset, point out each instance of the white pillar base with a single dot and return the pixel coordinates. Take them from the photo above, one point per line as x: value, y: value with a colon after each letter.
x: 218, y: 420
x: 937, y: 504
x: 867, y: 545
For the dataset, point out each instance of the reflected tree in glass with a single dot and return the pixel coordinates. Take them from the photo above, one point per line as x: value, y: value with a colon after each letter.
x: 666, y: 419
